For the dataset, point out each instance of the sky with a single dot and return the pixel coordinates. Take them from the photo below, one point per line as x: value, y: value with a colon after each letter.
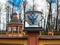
x: 3, y: 1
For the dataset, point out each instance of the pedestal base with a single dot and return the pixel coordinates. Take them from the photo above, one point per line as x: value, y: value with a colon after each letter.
x: 33, y: 38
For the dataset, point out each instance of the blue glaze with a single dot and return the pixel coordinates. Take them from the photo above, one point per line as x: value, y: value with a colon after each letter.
x: 32, y: 18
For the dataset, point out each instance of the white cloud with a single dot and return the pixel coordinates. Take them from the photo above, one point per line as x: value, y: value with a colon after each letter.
x: 3, y: 1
